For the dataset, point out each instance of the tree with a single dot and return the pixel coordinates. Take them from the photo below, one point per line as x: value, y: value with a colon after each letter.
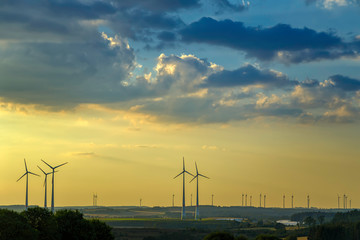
x: 43, y: 221
x: 72, y: 226
x: 15, y: 227
x: 321, y: 219
x: 219, y: 236
x: 241, y: 237
x: 291, y: 237
x: 101, y: 230
x: 310, y: 221
x: 266, y: 237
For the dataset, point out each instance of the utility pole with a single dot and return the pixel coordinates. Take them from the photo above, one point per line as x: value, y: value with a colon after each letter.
x: 190, y: 199
x: 245, y: 200
x: 250, y: 201
x: 260, y: 200
x: 292, y: 201
x: 344, y: 201
x: 338, y: 201
x: 242, y: 200
x: 212, y: 199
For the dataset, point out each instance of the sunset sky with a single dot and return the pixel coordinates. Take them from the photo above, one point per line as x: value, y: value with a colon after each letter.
x: 264, y: 95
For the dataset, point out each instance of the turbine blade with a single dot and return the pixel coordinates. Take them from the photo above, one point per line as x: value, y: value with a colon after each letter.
x: 41, y: 170
x: 179, y: 174
x: 204, y: 176
x: 196, y: 168
x: 60, y: 165
x: 34, y: 174
x: 22, y: 176
x: 47, y: 164
x: 189, y: 173
x: 193, y: 178
x: 25, y: 165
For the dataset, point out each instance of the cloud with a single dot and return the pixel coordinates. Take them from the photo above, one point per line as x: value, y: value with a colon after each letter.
x: 330, y: 4
x: 246, y: 76
x: 225, y: 5
x: 158, y: 5
x: 66, y: 73
x: 280, y: 42
x: 345, y: 83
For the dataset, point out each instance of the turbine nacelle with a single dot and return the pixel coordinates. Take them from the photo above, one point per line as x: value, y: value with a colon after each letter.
x: 198, y: 174
x: 27, y: 172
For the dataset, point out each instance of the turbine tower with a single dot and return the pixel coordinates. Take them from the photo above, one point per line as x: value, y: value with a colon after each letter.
x: 260, y: 200
x: 197, y: 190
x: 292, y: 201
x: 308, y: 201
x: 27, y: 184
x: 264, y: 200
x: 45, y: 185
x: 52, y: 183
x: 284, y: 201
x: 183, y: 200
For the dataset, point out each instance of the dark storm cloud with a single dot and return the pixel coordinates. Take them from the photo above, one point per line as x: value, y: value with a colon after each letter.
x: 167, y: 36
x: 247, y: 75
x: 158, y: 5
x: 280, y: 42
x: 345, y: 83
x: 139, y: 24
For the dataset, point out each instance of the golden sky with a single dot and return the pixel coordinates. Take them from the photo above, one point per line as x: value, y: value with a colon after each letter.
x: 123, y: 156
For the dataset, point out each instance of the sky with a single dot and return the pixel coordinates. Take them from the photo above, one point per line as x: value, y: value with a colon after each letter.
x: 263, y: 95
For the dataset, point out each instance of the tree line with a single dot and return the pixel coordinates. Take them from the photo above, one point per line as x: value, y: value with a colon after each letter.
x: 41, y: 224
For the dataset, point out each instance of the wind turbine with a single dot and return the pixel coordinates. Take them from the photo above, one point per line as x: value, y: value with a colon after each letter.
x: 197, y: 190
x: 27, y: 185
x: 45, y: 184
x: 52, y: 183
x: 183, y: 213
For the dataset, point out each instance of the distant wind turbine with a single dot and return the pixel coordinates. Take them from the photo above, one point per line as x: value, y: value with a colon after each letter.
x: 197, y: 190
x: 183, y: 213
x: 45, y: 185
x: 27, y: 184
x: 52, y: 182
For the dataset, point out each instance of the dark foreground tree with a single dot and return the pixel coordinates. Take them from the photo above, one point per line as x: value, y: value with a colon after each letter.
x: 101, y: 230
x: 43, y: 221
x: 14, y: 226
x: 266, y: 237
x: 219, y: 236
x: 72, y: 226
x: 241, y: 237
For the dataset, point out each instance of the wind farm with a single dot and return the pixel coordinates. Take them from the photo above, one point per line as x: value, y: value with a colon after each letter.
x: 204, y: 218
